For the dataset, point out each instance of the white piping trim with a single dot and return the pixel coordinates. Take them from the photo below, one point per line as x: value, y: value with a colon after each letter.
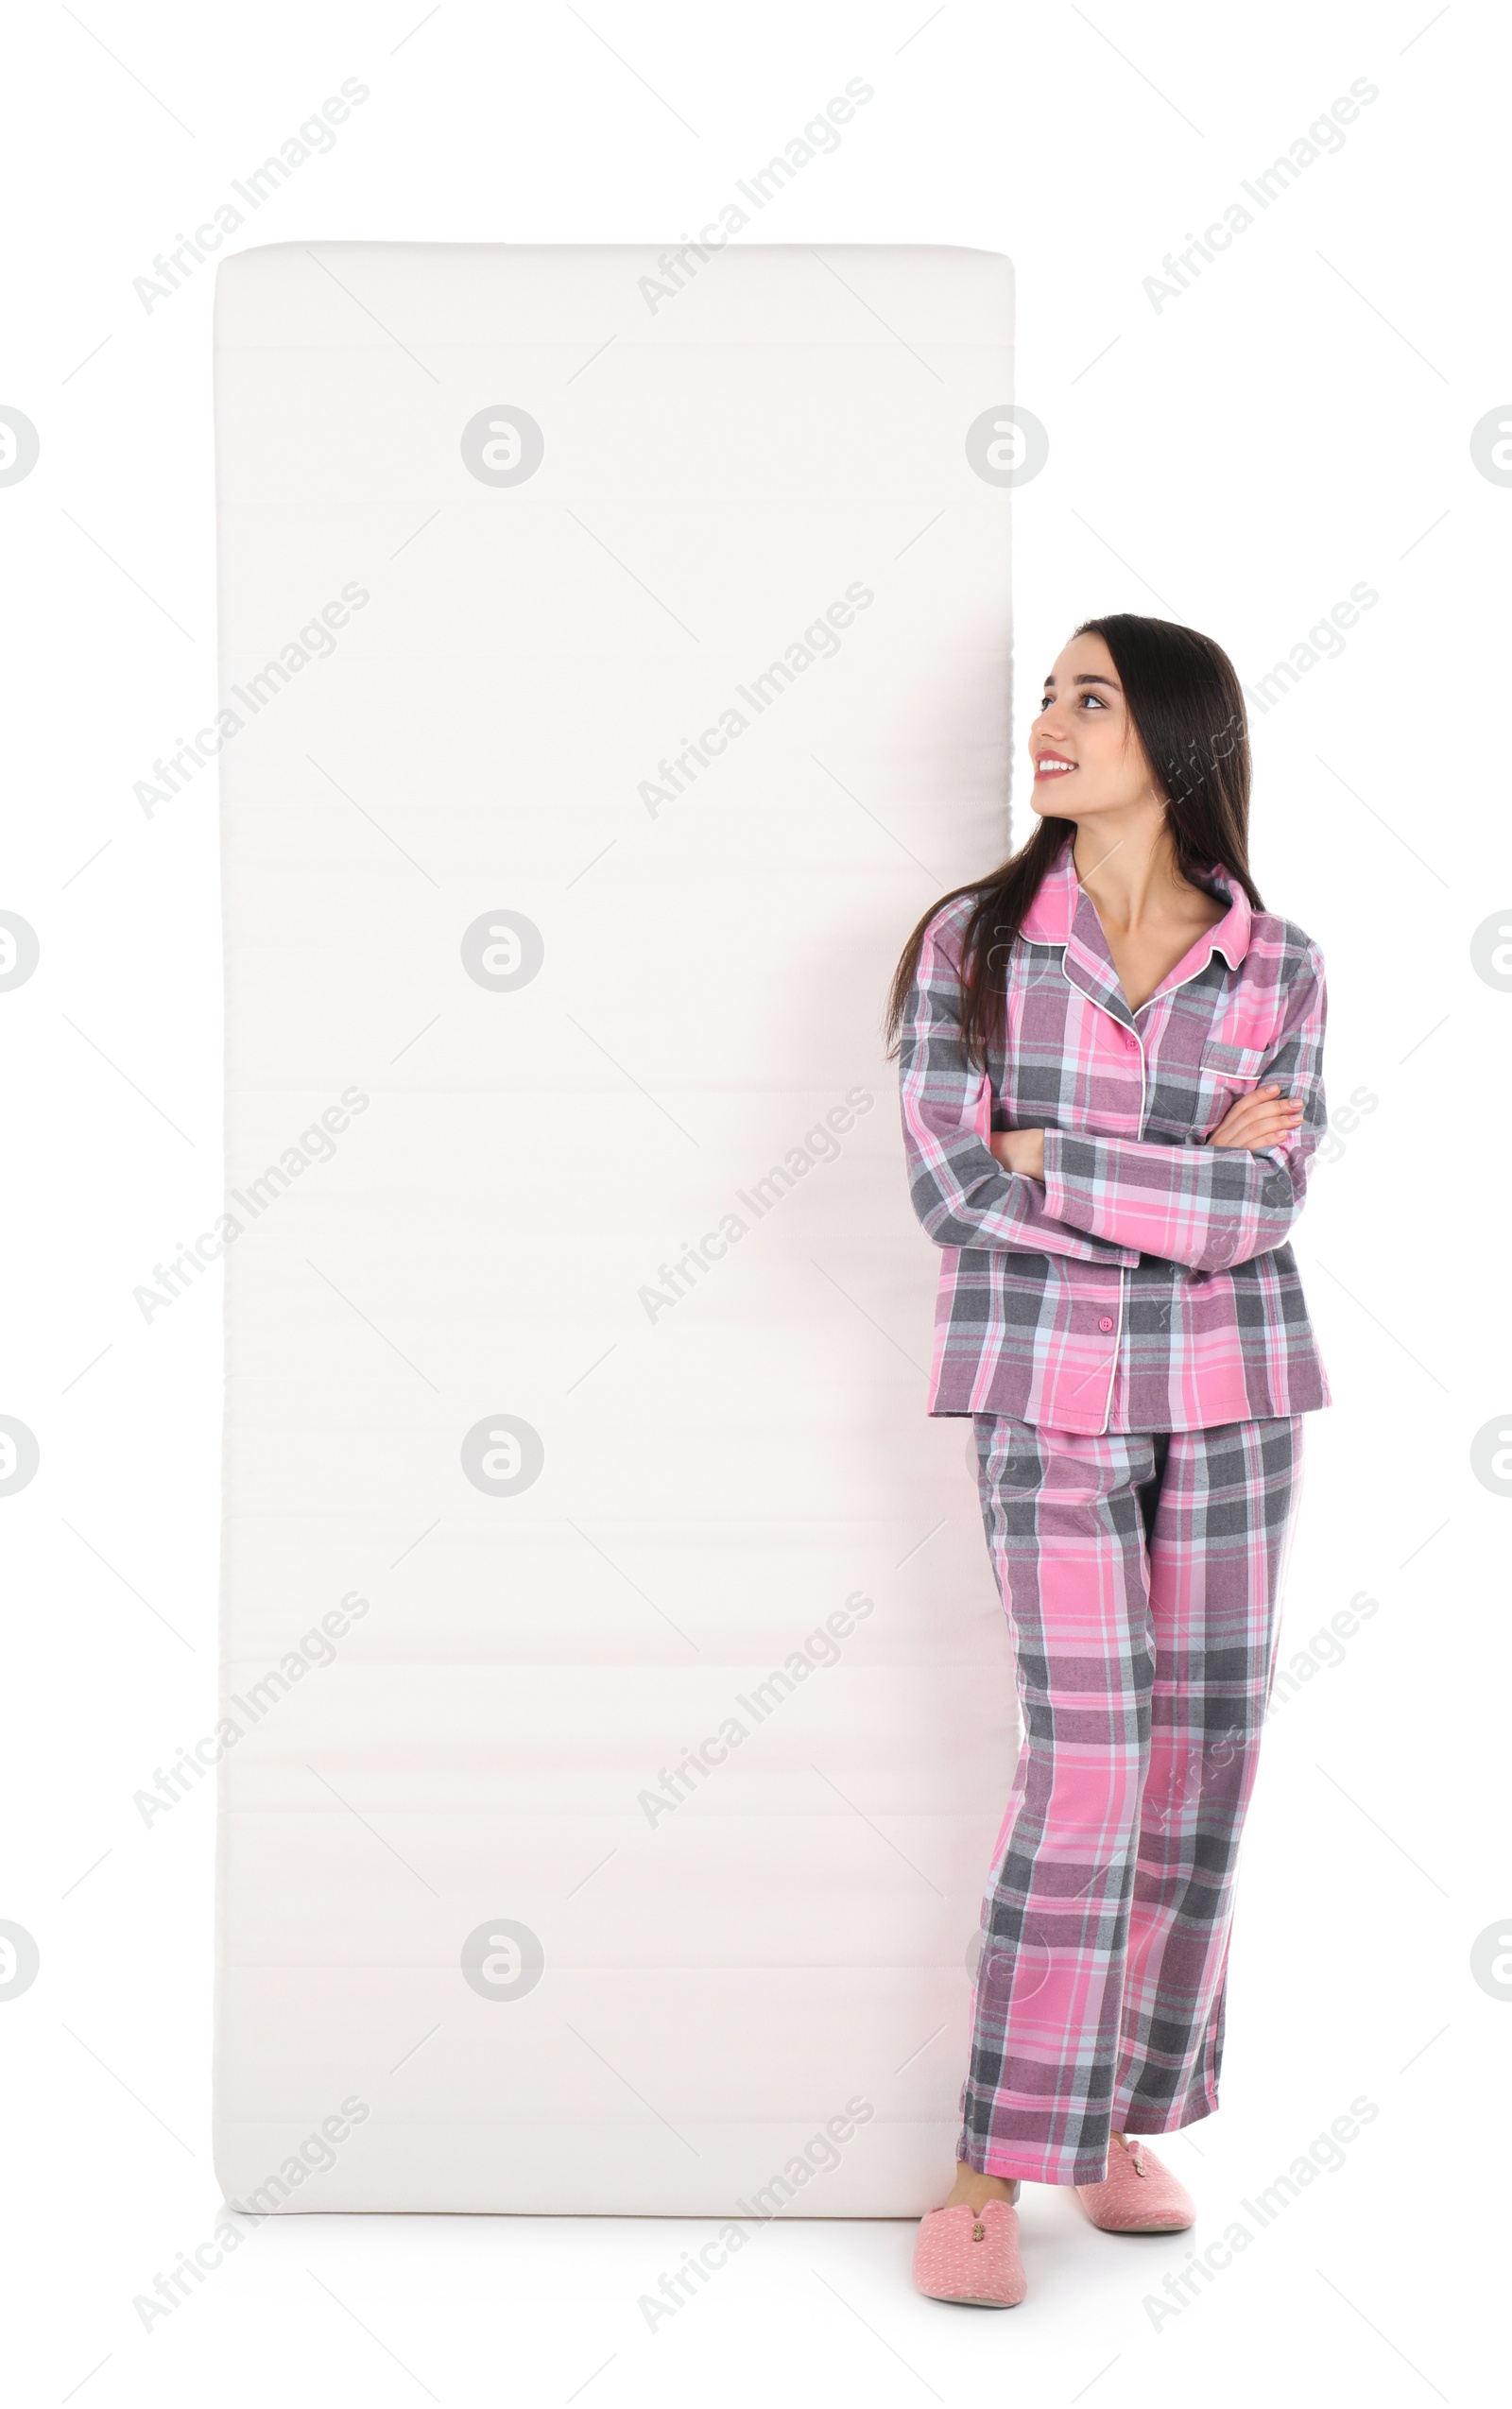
x: 1131, y: 1026
x: 1128, y: 1026
x: 1118, y: 1334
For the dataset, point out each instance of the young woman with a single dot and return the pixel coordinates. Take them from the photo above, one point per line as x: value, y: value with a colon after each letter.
x: 1110, y: 1073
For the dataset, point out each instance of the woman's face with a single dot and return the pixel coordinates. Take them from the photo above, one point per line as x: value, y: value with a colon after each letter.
x: 1084, y: 721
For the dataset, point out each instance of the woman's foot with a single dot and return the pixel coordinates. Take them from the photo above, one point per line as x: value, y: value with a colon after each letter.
x: 969, y: 2189
x: 968, y: 2251
x: 1139, y: 2193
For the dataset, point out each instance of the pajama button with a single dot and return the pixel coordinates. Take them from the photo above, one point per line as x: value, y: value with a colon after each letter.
x: 1105, y: 1322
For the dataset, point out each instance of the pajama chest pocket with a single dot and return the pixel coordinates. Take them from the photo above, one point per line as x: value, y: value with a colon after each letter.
x: 1228, y: 1072
x: 1237, y: 1065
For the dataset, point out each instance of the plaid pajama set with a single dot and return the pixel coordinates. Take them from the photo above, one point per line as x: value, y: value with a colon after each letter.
x: 1130, y: 1340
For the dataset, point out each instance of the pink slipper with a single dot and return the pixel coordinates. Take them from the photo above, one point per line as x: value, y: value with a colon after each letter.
x: 1138, y: 2194
x: 971, y: 2255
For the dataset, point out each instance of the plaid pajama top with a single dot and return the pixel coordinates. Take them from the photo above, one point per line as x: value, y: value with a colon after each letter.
x: 1146, y: 1284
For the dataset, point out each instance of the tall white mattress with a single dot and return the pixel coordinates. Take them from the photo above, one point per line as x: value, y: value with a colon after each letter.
x: 617, y: 1709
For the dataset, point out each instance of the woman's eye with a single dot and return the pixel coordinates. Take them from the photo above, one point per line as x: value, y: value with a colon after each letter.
x: 1098, y: 699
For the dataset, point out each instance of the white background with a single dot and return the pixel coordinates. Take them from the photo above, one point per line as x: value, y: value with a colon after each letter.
x: 1299, y: 420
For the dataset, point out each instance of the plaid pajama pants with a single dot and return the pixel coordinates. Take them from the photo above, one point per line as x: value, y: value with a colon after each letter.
x: 1141, y: 1576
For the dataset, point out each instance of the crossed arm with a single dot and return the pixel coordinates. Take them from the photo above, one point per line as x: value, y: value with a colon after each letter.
x: 1204, y: 1205
x: 1255, y: 1122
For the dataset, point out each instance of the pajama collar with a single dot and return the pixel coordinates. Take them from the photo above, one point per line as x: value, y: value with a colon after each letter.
x: 1063, y: 913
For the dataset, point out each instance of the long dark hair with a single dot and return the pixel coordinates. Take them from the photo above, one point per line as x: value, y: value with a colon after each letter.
x: 1188, y: 711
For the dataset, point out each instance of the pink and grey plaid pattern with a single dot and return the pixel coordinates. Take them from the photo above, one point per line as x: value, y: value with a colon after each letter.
x: 1147, y: 1282
x: 1141, y: 1576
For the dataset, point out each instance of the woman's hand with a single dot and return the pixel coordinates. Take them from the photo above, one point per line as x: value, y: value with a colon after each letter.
x: 1019, y: 1150
x: 1257, y: 1121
